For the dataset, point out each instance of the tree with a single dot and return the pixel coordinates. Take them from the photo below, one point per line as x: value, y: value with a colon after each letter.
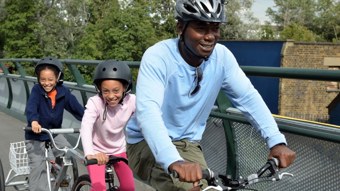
x: 318, y: 16
x: 291, y: 11
x: 18, y: 27
x: 116, y: 32
x: 163, y: 19
x: 235, y: 28
x: 298, y: 33
x: 268, y: 32
x: 35, y: 28
x: 327, y: 24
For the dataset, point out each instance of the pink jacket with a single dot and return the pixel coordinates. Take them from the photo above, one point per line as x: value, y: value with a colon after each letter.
x: 106, y: 136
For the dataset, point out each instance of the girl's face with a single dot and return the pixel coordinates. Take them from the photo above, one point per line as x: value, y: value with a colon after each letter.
x: 47, y: 79
x: 112, y: 91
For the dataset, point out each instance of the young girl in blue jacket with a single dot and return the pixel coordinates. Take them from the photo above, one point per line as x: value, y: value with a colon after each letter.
x: 45, y: 109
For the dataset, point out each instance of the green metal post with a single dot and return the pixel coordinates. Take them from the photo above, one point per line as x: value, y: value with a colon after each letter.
x: 223, y: 103
x: 10, y: 91
x: 22, y: 73
x: 79, y: 79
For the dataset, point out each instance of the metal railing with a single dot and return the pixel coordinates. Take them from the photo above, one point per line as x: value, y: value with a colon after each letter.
x: 224, y: 122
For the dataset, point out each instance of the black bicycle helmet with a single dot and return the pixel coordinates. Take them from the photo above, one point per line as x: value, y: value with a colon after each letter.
x: 51, y: 62
x: 202, y: 10
x: 112, y: 70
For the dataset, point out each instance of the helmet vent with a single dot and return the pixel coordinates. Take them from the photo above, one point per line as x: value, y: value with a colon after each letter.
x: 218, y: 10
x: 104, y: 69
x: 190, y: 9
x: 114, y: 69
x: 205, y: 8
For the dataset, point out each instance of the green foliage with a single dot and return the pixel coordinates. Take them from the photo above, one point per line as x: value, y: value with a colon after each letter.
x: 18, y: 26
x: 321, y: 17
x: 298, y: 33
x: 121, y: 33
x: 235, y: 27
x: 268, y: 32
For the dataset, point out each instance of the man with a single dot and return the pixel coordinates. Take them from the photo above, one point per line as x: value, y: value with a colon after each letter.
x: 178, y: 82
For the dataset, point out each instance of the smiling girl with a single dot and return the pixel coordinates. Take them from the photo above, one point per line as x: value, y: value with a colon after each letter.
x: 102, y: 128
x: 45, y: 109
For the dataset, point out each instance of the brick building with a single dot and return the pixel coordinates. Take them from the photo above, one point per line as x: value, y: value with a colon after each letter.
x: 308, y: 99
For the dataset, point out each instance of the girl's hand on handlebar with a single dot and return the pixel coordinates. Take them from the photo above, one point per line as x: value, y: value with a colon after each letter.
x: 36, y: 128
x: 187, y: 171
x: 102, y: 158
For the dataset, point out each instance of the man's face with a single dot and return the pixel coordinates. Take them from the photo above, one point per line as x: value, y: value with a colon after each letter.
x: 201, y: 37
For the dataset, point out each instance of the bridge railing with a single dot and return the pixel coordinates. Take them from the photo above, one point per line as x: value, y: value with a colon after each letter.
x: 231, y: 145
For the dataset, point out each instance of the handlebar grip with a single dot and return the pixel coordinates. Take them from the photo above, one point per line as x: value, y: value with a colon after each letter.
x: 27, y: 128
x: 76, y: 130
x: 90, y: 162
x: 276, y: 161
x: 206, y: 174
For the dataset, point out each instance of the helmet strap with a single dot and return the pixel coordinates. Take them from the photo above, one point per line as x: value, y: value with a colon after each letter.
x: 123, y: 96
x: 105, y: 111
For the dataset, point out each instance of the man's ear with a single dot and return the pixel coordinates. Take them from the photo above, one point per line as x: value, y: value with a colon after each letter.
x: 179, y: 28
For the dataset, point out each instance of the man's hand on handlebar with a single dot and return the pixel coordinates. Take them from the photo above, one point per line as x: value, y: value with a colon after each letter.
x: 284, y: 154
x: 187, y: 171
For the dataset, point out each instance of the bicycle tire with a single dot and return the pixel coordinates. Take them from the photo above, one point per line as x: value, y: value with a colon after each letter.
x: 83, y: 183
x: 72, y: 172
x: 75, y: 169
x: 2, y: 178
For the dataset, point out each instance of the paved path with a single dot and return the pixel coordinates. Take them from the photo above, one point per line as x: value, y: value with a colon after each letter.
x: 11, y: 131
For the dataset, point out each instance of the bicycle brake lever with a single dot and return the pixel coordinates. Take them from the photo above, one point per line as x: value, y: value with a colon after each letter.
x: 218, y: 188
x: 279, y: 176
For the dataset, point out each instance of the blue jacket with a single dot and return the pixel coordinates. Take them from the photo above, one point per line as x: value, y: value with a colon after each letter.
x: 39, y: 108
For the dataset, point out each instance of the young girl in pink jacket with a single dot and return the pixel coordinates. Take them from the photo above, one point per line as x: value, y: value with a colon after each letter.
x: 102, y: 127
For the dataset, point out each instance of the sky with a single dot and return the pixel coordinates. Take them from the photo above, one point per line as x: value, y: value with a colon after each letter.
x: 259, y: 8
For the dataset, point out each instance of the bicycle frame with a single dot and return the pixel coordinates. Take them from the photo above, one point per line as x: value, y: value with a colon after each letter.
x: 67, y: 158
x: 84, y: 180
x: 70, y: 155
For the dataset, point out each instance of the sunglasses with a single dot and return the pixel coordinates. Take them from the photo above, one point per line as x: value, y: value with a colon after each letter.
x: 198, y: 79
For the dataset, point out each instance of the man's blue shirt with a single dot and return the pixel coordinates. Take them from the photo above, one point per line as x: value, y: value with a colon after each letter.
x: 167, y: 112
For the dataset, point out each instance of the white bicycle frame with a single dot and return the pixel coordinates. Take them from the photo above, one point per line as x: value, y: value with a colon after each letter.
x: 21, y: 168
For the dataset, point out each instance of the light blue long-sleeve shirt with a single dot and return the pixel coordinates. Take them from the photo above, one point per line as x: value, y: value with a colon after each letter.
x: 167, y: 112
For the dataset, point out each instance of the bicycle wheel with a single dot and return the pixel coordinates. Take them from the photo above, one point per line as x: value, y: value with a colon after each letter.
x: 71, y: 175
x: 83, y: 183
x: 2, y: 178
x: 75, y: 169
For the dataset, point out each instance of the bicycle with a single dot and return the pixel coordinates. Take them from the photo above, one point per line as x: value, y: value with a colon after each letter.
x: 60, y: 175
x: 84, y: 182
x: 219, y: 182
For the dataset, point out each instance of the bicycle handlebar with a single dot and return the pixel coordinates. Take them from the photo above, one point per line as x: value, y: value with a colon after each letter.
x: 56, y: 131
x: 52, y: 132
x: 206, y: 174
x: 112, y: 159
x: 268, y: 172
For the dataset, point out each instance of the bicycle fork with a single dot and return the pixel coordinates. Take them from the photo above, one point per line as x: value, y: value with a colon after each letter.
x: 53, y: 167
